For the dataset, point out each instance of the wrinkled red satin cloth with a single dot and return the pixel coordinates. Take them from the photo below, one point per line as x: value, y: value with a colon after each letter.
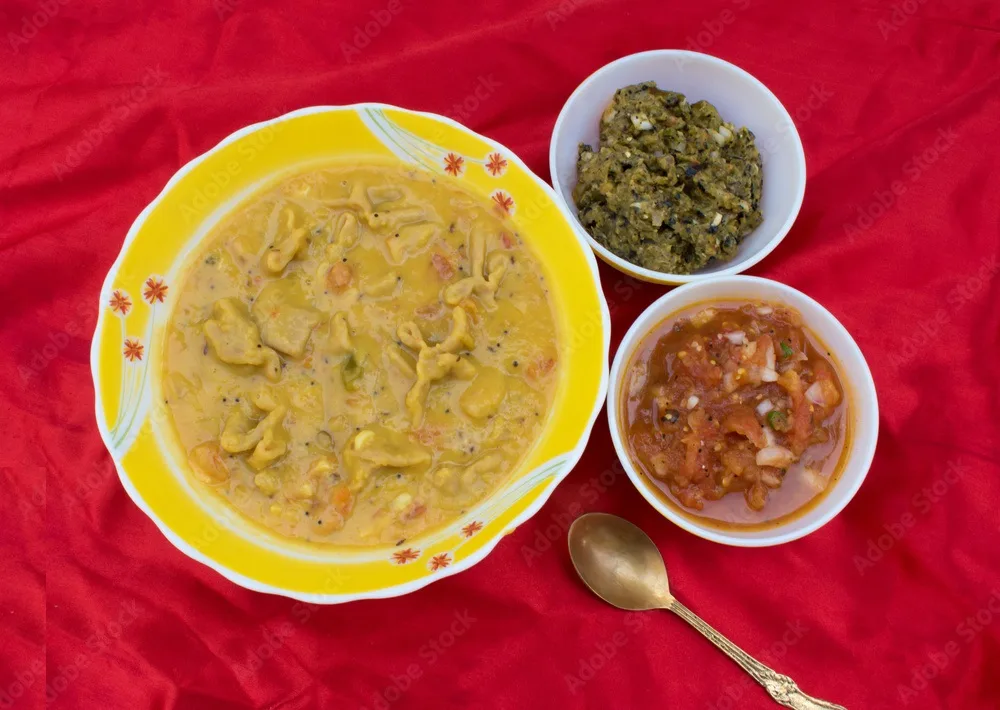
x: 896, y: 603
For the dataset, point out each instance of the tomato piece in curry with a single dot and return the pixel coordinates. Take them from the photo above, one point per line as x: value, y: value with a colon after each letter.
x: 736, y: 412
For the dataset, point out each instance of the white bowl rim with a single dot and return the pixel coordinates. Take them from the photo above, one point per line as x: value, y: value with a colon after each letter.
x: 663, y: 277
x: 572, y: 456
x: 865, y: 396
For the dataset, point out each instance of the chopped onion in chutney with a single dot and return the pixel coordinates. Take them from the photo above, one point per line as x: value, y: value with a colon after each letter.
x: 726, y: 430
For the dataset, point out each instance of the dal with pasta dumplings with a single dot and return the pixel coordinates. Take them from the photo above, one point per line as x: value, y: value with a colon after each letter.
x: 359, y: 354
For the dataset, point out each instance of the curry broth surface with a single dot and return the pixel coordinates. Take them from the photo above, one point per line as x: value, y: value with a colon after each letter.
x: 359, y: 354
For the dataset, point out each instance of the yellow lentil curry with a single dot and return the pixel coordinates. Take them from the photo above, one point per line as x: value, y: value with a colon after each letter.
x: 359, y: 354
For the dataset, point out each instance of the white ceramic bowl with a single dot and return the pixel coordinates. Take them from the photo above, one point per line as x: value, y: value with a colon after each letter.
x: 855, y: 376
x: 740, y: 98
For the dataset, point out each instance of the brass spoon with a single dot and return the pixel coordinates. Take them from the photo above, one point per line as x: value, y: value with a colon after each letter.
x: 622, y: 566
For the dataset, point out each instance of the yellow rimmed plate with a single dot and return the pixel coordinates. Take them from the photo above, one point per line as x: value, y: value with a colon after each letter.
x: 137, y: 298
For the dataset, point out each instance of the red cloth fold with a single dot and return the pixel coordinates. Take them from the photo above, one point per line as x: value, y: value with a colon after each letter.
x: 896, y: 603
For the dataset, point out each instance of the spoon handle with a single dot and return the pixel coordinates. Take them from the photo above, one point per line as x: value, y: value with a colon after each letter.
x: 782, y: 688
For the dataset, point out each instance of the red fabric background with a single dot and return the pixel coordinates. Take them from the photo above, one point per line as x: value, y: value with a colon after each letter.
x: 98, y: 605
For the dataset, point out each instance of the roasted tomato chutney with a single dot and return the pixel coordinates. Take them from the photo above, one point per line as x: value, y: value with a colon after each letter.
x: 736, y: 413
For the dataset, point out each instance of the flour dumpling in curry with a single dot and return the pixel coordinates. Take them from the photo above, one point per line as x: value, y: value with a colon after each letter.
x: 359, y: 354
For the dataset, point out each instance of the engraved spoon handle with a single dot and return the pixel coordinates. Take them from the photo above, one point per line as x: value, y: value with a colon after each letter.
x: 782, y: 688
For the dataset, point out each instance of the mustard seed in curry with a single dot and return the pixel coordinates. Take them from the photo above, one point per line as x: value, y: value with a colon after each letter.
x: 672, y: 185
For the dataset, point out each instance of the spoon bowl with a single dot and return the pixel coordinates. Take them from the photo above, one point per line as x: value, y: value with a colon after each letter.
x: 619, y: 562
